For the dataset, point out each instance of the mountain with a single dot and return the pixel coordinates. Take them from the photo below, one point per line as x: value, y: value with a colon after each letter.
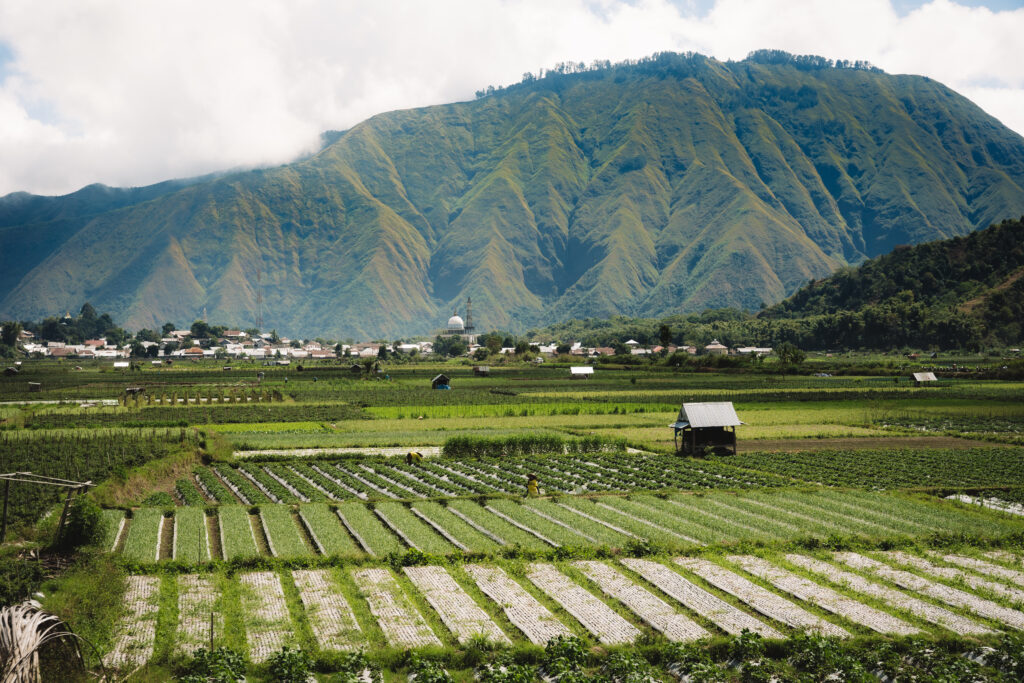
x: 646, y: 188
x: 962, y: 293
x: 951, y: 293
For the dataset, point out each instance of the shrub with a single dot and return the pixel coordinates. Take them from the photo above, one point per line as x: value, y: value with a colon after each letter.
x: 83, y: 523
x: 219, y: 665
x: 289, y: 666
x: 18, y: 580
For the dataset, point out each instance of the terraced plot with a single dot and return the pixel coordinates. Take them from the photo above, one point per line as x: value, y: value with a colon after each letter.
x: 602, y: 621
x: 762, y: 600
x: 828, y: 599
x: 330, y: 617
x: 326, y: 530
x: 649, y: 607
x: 268, y: 625
x: 236, y: 533
x: 460, y: 614
x: 133, y: 645
x: 402, y: 624
x: 198, y: 611
x: 283, y: 534
x: 191, y: 542
x: 142, y: 544
x: 535, y: 621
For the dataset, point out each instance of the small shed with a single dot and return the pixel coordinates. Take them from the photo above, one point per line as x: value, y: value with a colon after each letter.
x: 581, y: 372
x: 481, y: 370
x: 702, y: 426
x: 11, y: 371
x: 355, y: 369
x: 921, y: 378
x: 134, y: 391
x: 35, y: 386
x: 441, y: 382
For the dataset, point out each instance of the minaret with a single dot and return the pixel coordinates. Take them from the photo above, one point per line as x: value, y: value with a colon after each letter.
x: 469, y: 315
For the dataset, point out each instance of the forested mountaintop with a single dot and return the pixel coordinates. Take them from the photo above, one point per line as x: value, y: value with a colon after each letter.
x: 669, y: 184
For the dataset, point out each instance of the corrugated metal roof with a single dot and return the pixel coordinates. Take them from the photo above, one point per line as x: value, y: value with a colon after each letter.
x: 925, y: 377
x: 581, y: 370
x: 709, y: 414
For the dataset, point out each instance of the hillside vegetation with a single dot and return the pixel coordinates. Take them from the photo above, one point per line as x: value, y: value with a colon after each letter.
x: 960, y: 293
x: 644, y: 189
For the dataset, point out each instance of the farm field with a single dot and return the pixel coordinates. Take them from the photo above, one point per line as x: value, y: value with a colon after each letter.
x: 839, y: 524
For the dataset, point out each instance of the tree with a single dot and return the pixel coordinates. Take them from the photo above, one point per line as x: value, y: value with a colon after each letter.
x: 481, y: 353
x: 521, y: 348
x: 789, y: 354
x: 382, y: 352
x: 665, y: 334
x: 9, y: 334
x: 146, y: 334
x: 167, y: 329
x: 200, y: 330
x: 563, y: 349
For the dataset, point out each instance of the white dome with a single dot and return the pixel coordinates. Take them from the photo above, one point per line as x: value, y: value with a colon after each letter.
x: 455, y: 323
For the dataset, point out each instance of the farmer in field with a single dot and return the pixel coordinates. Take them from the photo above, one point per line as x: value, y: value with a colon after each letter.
x: 532, y: 486
x: 413, y: 458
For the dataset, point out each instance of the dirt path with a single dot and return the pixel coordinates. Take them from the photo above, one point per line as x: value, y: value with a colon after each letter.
x: 862, y: 443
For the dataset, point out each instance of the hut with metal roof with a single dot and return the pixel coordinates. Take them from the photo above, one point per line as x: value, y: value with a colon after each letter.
x: 441, y: 382
x: 706, y: 426
x: 921, y: 378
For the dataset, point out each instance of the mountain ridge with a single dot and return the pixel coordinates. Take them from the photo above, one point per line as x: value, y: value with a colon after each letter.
x: 670, y: 184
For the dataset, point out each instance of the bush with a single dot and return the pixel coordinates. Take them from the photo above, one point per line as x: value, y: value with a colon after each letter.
x: 83, y: 523
x: 18, y: 580
x: 289, y: 666
x: 219, y: 665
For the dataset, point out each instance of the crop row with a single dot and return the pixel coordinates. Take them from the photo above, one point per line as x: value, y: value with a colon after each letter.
x: 391, y: 478
x: 893, y: 467
x: 488, y: 525
x: 685, y: 599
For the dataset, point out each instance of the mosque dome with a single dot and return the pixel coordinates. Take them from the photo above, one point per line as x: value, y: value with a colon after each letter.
x: 455, y: 324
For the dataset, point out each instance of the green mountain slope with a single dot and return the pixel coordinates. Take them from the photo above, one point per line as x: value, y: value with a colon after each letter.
x: 644, y: 189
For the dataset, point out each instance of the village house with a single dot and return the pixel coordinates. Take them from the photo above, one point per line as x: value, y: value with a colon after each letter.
x: 716, y: 348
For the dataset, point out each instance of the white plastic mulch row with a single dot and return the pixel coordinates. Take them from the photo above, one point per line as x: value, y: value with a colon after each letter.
x: 458, y: 611
x: 1003, y: 556
x: 285, y: 483
x: 983, y: 567
x: 535, y: 620
x: 317, y: 486
x: 330, y: 617
x: 197, y: 601
x: 947, y: 594
x: 891, y: 596
x: 397, y: 616
x: 646, y: 605
x: 954, y: 574
x: 990, y: 503
x: 326, y: 475
x: 134, y: 645
x: 722, y: 614
x: 601, y: 620
x: 486, y: 532
x: 826, y: 598
x: 259, y: 484
x: 602, y: 522
x: 761, y: 599
x: 268, y: 625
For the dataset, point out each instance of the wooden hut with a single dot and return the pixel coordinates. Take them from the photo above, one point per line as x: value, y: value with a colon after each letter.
x: 703, y: 426
x: 441, y: 382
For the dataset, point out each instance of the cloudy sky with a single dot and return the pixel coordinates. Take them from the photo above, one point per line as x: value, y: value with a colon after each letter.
x: 130, y: 92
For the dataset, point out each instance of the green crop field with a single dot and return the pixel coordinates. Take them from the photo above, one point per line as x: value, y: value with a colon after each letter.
x: 286, y: 514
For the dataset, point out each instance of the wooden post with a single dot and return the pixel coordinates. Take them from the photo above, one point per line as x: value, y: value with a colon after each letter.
x: 63, y: 516
x: 211, y: 630
x: 3, y: 522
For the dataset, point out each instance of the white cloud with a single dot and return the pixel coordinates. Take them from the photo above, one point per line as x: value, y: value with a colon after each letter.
x: 128, y: 93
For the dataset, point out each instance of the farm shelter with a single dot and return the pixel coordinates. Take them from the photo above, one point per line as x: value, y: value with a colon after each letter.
x: 921, y: 378
x: 581, y: 372
x: 442, y: 381
x: 481, y: 370
x: 700, y: 426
